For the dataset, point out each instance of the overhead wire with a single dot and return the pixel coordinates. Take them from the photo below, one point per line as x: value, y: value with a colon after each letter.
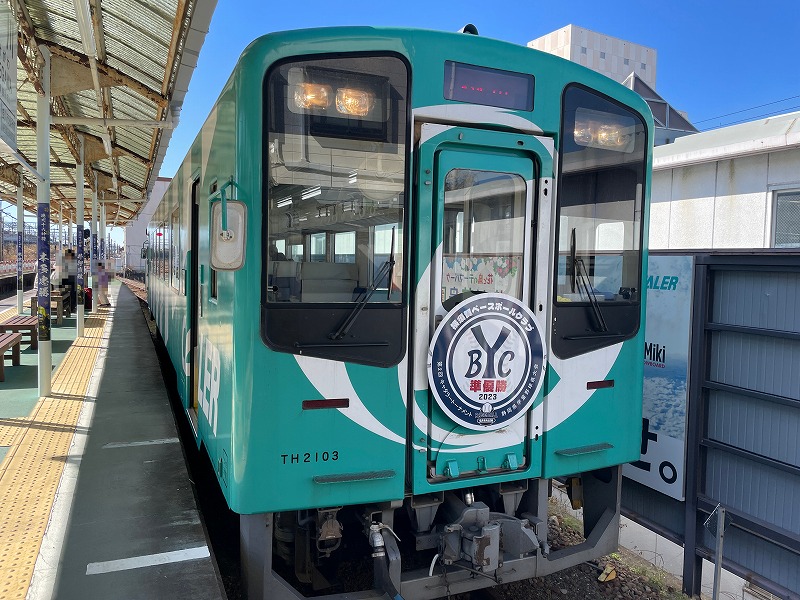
x: 762, y: 116
x: 736, y: 112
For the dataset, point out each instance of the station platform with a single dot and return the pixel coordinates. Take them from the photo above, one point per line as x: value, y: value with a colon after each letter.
x: 95, y: 496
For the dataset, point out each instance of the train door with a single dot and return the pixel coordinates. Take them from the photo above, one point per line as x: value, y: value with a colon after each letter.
x: 192, y: 301
x: 481, y: 415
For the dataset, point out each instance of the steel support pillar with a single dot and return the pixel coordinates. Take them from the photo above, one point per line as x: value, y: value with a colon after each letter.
x: 79, y: 223
x: 43, y: 228
x: 93, y: 228
x: 20, y: 245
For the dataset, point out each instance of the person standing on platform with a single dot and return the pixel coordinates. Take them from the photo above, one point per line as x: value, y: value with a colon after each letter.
x: 102, y: 285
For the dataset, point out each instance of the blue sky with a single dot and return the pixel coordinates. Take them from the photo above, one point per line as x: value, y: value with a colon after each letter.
x: 715, y: 57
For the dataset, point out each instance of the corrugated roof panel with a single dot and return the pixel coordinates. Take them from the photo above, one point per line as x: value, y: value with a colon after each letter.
x: 132, y: 141
x: 129, y: 105
x: 82, y: 104
x: 142, y: 52
x: 134, y: 44
x: 135, y: 70
x: 136, y: 169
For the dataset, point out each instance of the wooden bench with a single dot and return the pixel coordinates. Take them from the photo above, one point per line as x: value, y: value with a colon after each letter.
x: 23, y: 324
x: 9, y: 341
x: 59, y: 303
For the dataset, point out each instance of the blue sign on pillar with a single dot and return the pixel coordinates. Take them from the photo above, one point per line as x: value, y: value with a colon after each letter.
x: 20, y: 262
x: 79, y: 282
x: 43, y: 268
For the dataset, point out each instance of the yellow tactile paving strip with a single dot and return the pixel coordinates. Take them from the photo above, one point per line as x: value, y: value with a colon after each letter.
x: 11, y: 312
x: 31, y: 471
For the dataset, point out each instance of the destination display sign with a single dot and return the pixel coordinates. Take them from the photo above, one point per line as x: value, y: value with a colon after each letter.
x: 490, y: 87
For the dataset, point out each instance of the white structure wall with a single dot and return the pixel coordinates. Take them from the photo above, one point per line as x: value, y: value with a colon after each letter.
x: 718, y: 189
x: 136, y: 232
x: 613, y: 57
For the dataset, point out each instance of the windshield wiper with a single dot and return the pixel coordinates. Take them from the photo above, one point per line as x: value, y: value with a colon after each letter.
x: 384, y: 272
x: 580, y: 275
x: 583, y: 277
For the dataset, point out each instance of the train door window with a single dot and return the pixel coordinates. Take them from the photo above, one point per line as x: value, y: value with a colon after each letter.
x: 483, y: 234
x: 600, y: 222
x: 335, y: 190
x: 212, y: 283
x: 212, y: 272
x: 174, y: 250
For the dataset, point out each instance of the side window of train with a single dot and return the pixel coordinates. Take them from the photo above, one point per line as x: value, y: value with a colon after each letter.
x: 174, y: 250
x: 599, y: 224
x: 335, y: 215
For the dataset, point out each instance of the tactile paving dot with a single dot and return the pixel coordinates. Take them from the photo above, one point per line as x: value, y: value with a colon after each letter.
x: 38, y: 447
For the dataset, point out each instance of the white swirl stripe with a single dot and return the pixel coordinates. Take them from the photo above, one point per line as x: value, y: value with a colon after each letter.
x: 332, y: 381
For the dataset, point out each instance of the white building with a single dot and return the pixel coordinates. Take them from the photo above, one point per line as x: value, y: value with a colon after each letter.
x: 608, y: 55
x: 136, y: 231
x: 632, y: 65
x: 735, y: 187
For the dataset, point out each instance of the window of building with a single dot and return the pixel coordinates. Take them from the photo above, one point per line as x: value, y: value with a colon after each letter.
x: 602, y: 55
x: 627, y: 61
x: 583, y: 50
x: 787, y: 219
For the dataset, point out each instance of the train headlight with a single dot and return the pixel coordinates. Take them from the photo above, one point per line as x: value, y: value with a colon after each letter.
x: 604, y: 130
x: 312, y: 95
x: 352, y: 101
x: 584, y: 132
x: 611, y: 135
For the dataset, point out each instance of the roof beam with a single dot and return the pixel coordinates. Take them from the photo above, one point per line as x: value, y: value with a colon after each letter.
x: 113, y: 75
x: 104, y: 182
x: 113, y: 122
x: 97, y: 153
x: 10, y: 174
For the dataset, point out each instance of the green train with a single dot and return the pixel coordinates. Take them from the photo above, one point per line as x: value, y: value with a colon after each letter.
x: 400, y: 278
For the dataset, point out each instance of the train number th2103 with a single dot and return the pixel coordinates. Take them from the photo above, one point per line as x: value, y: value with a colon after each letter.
x: 310, y: 457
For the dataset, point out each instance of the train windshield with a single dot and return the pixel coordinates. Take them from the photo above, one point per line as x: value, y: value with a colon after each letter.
x: 336, y: 180
x: 600, y: 224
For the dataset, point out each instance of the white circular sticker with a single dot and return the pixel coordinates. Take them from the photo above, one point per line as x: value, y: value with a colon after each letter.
x: 486, y: 361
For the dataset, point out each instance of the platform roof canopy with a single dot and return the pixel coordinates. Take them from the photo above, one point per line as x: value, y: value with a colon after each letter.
x: 126, y: 61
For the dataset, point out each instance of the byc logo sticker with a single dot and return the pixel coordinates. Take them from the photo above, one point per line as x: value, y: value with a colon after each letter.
x: 486, y: 361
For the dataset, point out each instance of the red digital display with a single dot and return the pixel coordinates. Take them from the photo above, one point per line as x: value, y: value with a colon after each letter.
x: 490, y: 87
